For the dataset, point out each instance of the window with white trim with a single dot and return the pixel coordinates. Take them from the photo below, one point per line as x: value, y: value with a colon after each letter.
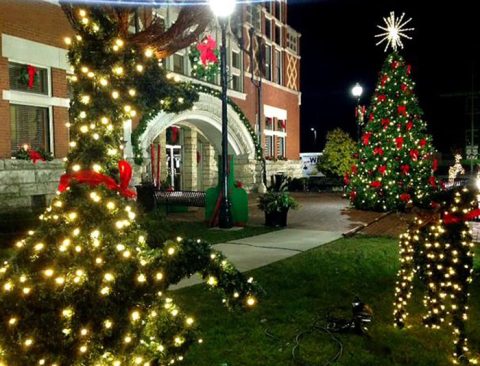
x: 269, y: 146
x: 30, y: 126
x: 268, y: 62
x: 281, y: 147
x: 179, y: 63
x: 28, y: 78
x: 277, y: 68
x: 269, y: 124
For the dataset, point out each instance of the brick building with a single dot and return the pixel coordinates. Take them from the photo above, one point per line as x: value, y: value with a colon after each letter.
x: 186, y: 145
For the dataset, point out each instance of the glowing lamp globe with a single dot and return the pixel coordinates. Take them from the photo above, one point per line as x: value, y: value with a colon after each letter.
x: 222, y: 8
x: 357, y: 90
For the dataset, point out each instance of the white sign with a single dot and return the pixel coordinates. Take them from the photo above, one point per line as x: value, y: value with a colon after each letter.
x: 309, y: 164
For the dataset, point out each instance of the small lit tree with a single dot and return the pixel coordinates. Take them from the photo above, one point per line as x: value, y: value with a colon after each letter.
x: 84, y: 288
x: 338, y: 155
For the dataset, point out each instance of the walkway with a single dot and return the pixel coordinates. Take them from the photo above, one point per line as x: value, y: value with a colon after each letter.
x: 321, y: 219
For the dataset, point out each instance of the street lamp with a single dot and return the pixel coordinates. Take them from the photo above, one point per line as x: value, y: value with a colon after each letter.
x: 314, y: 136
x: 357, y: 92
x: 222, y: 9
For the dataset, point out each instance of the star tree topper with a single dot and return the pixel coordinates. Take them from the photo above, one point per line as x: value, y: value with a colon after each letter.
x: 395, y: 30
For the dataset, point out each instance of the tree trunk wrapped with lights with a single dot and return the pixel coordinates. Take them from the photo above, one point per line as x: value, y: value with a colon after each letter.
x: 440, y: 253
x: 85, y: 287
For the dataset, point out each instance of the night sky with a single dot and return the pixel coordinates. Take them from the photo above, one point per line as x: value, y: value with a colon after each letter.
x: 338, y: 49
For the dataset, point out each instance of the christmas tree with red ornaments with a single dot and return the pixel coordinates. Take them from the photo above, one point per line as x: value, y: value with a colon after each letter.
x: 396, y: 163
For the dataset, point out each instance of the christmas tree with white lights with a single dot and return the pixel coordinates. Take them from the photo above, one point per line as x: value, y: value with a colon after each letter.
x: 85, y: 288
x: 396, y: 163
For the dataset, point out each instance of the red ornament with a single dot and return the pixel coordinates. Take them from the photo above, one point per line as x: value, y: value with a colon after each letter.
x: 422, y: 143
x: 207, y: 51
x: 366, y: 138
x: 399, y: 142
x: 94, y: 179
x: 402, y: 110
x: 432, y: 181
x: 385, y: 123
x: 405, y: 169
x: 435, y: 165
x: 32, y: 72
x: 378, y: 151
x: 376, y: 184
x: 409, y: 125
x: 382, y: 98
x: 405, y: 197
x: 382, y: 169
x: 414, y: 155
x: 404, y: 87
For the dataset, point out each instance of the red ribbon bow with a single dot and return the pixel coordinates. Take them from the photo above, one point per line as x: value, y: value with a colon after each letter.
x: 94, y: 179
x: 207, y: 51
x: 449, y: 219
x: 32, y: 71
x: 34, y: 156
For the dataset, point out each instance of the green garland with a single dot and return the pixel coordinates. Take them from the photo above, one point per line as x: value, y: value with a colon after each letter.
x: 199, y: 70
x: 199, y: 88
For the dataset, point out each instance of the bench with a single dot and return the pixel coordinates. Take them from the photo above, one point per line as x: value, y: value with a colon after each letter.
x: 179, y: 198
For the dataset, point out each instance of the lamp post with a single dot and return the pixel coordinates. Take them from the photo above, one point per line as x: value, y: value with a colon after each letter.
x: 222, y: 9
x: 314, y: 136
x: 357, y: 92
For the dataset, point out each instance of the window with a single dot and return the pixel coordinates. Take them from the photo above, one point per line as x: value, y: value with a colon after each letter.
x: 29, y: 125
x: 19, y: 75
x: 254, y: 16
x: 278, y: 10
x: 268, y: 28
x: 236, y: 60
x: 278, y: 34
x: 292, y: 42
x: 236, y: 83
x: 268, y: 62
x: 269, y: 146
x: 269, y: 124
x: 278, y: 67
x: 268, y: 6
x: 281, y: 147
x: 178, y: 64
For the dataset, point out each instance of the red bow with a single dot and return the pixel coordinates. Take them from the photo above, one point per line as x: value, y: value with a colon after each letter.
x: 402, y: 110
x: 382, y: 169
x: 449, y: 219
x: 423, y: 142
x: 385, y: 122
x: 435, y: 165
x: 346, y: 179
x: 366, y: 138
x: 405, y: 168
x: 404, y: 87
x: 354, y: 169
x: 376, y: 184
x: 414, y: 155
x: 94, y: 179
x: 353, y: 195
x: 206, y: 49
x: 399, y: 142
x: 32, y: 71
x: 382, y: 98
x: 384, y: 79
x: 432, y: 181
x: 378, y: 151
x: 409, y: 125
x: 405, y: 197
x: 34, y: 156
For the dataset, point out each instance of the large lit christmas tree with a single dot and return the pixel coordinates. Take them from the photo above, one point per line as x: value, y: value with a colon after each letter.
x: 84, y: 288
x: 396, y: 162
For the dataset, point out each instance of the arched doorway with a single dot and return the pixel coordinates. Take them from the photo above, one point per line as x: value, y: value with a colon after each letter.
x: 196, y: 152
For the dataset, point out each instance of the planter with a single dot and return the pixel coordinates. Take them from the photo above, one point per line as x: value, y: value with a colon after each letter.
x: 276, y: 218
x: 146, y: 197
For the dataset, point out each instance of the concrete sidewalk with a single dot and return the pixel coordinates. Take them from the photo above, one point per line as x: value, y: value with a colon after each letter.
x: 261, y: 250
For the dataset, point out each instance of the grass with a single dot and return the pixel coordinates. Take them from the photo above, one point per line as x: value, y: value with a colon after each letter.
x: 308, y: 286
x: 160, y: 228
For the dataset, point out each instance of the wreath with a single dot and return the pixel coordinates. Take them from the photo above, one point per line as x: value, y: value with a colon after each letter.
x: 204, y: 58
x: 28, y: 76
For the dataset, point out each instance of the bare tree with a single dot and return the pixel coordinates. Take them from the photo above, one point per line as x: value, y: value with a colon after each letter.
x: 189, y: 25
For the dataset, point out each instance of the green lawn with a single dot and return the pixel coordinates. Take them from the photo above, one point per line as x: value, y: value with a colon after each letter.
x: 306, y: 287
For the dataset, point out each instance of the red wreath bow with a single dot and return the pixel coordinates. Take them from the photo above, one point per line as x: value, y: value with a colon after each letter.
x: 366, y: 138
x: 207, y: 50
x: 35, y: 156
x: 399, y: 142
x: 94, y: 179
x: 449, y: 219
x: 32, y: 71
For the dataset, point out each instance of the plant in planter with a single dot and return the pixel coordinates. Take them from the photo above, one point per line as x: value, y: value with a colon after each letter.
x: 276, y: 203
